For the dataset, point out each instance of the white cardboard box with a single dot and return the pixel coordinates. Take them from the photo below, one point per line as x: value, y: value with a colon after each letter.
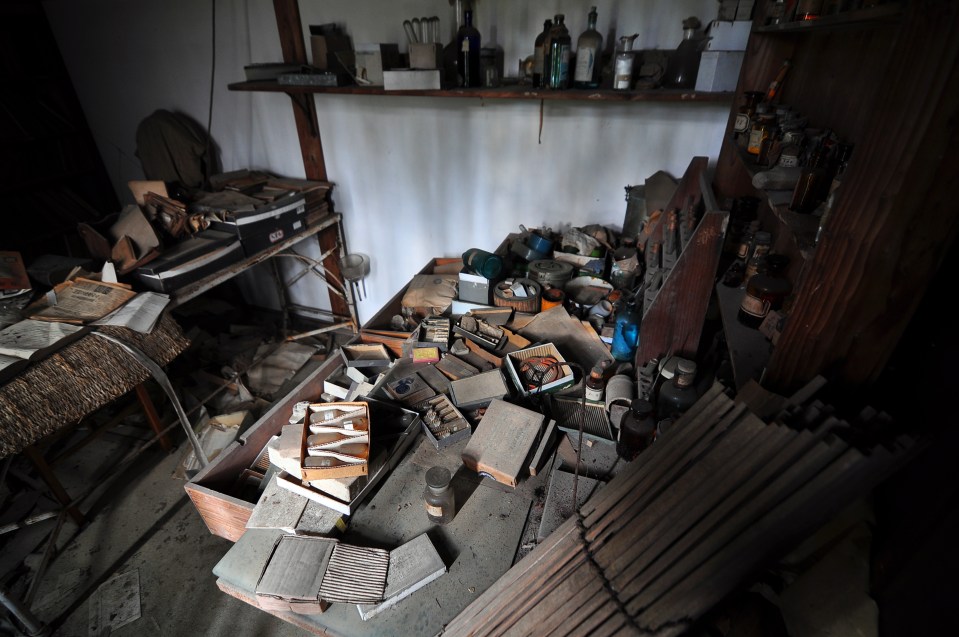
x: 411, y: 80
x: 719, y: 70
x: 728, y: 36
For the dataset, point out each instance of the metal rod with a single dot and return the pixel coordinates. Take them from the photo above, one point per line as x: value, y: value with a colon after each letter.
x: 322, y: 330
x: 32, y: 625
x: 161, y: 378
x: 27, y: 521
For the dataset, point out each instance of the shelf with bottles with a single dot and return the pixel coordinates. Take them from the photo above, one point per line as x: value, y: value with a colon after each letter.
x: 506, y: 92
x: 749, y: 349
x: 799, y: 238
x: 850, y: 19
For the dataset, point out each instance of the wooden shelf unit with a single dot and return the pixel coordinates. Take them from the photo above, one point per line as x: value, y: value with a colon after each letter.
x: 507, y: 92
x: 885, y: 82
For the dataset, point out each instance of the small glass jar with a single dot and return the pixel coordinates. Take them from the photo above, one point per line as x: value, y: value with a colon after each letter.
x: 765, y: 292
x: 744, y: 118
x: 789, y: 157
x: 761, y: 243
x: 756, y: 265
x: 440, y: 505
x: 762, y: 128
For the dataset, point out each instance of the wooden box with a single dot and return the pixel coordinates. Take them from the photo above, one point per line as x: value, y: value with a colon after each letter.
x: 347, y: 426
x: 215, y: 490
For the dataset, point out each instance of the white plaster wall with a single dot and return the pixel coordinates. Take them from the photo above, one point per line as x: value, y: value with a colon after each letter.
x: 415, y: 177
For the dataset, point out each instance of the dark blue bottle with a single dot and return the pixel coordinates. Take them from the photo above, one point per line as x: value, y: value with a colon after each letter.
x: 626, y: 334
x: 468, y: 55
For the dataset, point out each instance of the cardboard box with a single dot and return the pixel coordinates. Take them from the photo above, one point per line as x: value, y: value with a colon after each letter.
x: 728, y: 36
x: 190, y: 260
x: 339, y: 420
x: 373, y: 59
x: 478, y: 391
x: 412, y: 80
x: 561, y: 376
x: 443, y: 431
x: 426, y: 55
x: 719, y: 70
x: 280, y: 232
x: 264, y: 219
x: 474, y: 288
x: 363, y: 355
x: 324, y: 48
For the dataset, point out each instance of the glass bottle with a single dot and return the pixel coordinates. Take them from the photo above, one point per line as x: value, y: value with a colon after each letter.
x: 589, y: 49
x: 744, y: 118
x: 483, y: 263
x: 596, y: 381
x: 766, y: 291
x: 547, y: 51
x: 626, y: 331
x: 806, y: 194
x: 440, y: 504
x: 637, y: 430
x: 679, y: 394
x: 808, y: 9
x: 623, y: 63
x: 842, y: 155
x: 468, y: 60
x: 761, y: 129
x: 560, y: 44
x: 683, y: 65
x: 539, y: 55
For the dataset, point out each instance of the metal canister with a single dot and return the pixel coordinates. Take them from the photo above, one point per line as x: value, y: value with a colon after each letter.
x: 551, y: 271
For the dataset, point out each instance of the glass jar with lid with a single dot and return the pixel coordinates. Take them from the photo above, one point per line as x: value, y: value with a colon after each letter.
x: 765, y: 291
x: 440, y: 505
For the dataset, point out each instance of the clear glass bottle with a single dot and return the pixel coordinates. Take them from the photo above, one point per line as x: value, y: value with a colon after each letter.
x: 468, y: 60
x: 679, y: 394
x: 440, y: 503
x: 683, y: 65
x: 560, y: 44
x: 589, y: 50
x: 626, y: 330
x: 637, y: 430
x: 547, y: 52
x: 539, y: 54
x: 623, y: 63
x: 483, y: 263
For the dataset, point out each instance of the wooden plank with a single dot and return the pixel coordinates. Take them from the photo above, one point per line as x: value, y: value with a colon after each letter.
x: 673, y: 323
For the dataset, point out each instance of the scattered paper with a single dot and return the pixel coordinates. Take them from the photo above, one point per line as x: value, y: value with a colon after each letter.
x: 27, y: 338
x: 81, y: 301
x: 140, y: 313
x: 115, y: 604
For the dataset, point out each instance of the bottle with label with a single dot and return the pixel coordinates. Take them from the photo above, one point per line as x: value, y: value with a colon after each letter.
x: 744, y: 118
x: 596, y: 381
x: 766, y: 291
x: 679, y: 394
x: 637, y: 430
x: 623, y: 63
x: 539, y: 54
x: 589, y: 49
x: 468, y: 61
x: 626, y: 331
x: 761, y: 128
x: 547, y: 52
x: 560, y: 45
x: 440, y: 504
x: 483, y: 263
x: 683, y: 65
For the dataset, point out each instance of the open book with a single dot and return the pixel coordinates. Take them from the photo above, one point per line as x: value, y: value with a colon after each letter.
x: 30, y: 340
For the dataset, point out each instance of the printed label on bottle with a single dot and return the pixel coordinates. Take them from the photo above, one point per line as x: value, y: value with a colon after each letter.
x: 742, y: 123
x: 755, y: 141
x: 789, y: 161
x: 754, y: 306
x: 594, y: 394
x: 563, y: 64
x: 585, y: 61
x: 435, y: 511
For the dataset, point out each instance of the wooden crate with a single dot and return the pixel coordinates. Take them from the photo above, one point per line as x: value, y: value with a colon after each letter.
x: 213, y: 489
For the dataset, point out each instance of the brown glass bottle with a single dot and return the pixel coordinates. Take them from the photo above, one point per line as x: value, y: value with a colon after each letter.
x: 806, y: 195
x: 765, y: 291
x: 680, y: 393
x: 637, y: 431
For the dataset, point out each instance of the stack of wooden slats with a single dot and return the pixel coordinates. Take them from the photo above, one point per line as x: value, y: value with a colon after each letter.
x: 696, y: 515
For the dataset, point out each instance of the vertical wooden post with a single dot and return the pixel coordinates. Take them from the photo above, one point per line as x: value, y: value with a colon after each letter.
x: 36, y: 457
x: 307, y: 128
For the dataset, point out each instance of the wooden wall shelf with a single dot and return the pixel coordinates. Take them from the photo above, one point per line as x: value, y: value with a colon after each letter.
x: 515, y: 92
x: 889, y: 12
